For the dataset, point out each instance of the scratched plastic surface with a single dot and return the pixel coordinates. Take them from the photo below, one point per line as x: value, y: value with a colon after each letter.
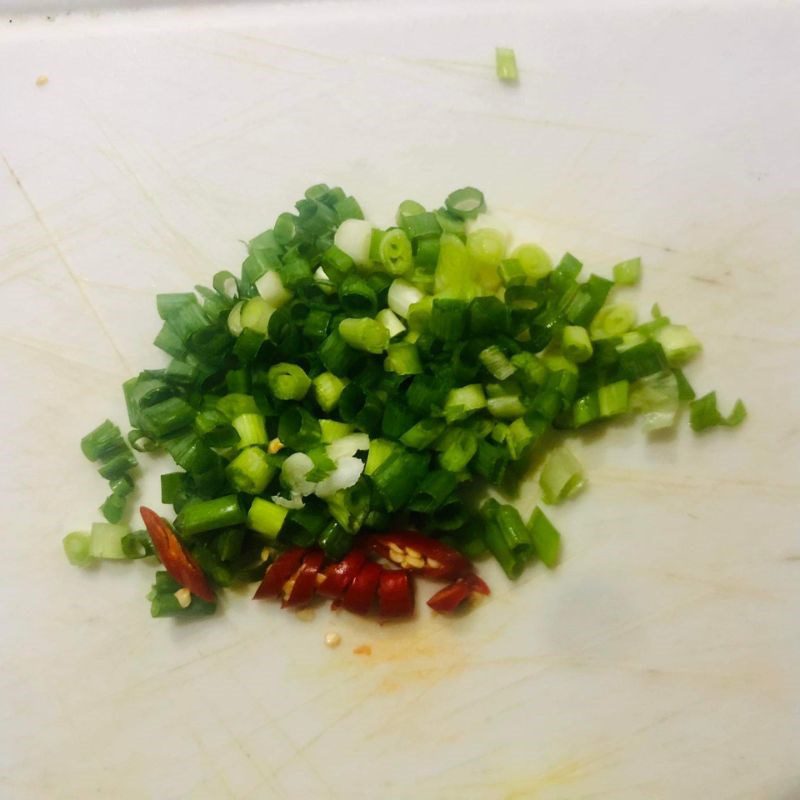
x: 662, y: 659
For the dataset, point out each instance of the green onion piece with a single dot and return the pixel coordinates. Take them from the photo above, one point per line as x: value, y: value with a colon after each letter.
x: 657, y: 399
x: 516, y: 534
x: 209, y: 515
x: 546, y: 538
x: 336, y: 263
x: 628, y: 273
x: 501, y: 543
x: 457, y: 448
x: 164, y: 600
x: 402, y: 358
x: 679, y: 344
x: 327, y: 390
x: 113, y: 508
x: 251, y: 471
x: 487, y: 246
x: 448, y: 319
x: 408, y: 208
x: 288, y: 381
x: 331, y: 430
x: 348, y: 208
x: 463, y: 401
x: 642, y: 359
x: 685, y: 390
x: 704, y: 414
x: 531, y: 371
x: 391, y: 322
x: 364, y: 334
x: 562, y: 476
x: 266, y: 518
x: 575, y: 344
x: 419, y: 314
x: 506, y: 64
x: 398, y: 477
x: 518, y: 438
x: 420, y: 225
x: 612, y: 321
x: 336, y: 355
x: 105, y: 540
x: 137, y: 544
x: 534, y: 260
x: 166, y: 417
x: 357, y: 297
x: 77, y: 548
x: 490, y: 461
x: 512, y: 272
x: 350, y: 507
x: 397, y: 418
x: 379, y: 451
x: 234, y: 323
x: 496, y: 362
x: 612, y: 399
x: 255, y: 315
x: 433, y: 492
x: 423, y: 433
x: 585, y: 409
x: 335, y: 541
x: 104, y: 442
x: 455, y: 274
x: 506, y: 407
x: 395, y: 252
x: 299, y: 429
x: 251, y: 430
x: 465, y: 203
x: 118, y: 466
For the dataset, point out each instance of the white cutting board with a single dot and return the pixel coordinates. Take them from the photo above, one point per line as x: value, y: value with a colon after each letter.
x: 662, y: 659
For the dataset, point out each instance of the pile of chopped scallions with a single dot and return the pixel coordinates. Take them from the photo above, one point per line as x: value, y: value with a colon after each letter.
x: 355, y: 380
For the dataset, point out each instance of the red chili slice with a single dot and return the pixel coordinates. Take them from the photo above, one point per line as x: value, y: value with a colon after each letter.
x: 284, y: 566
x: 408, y: 548
x: 338, y: 577
x: 395, y: 593
x: 449, y: 598
x: 358, y: 598
x: 174, y: 557
x: 302, y: 591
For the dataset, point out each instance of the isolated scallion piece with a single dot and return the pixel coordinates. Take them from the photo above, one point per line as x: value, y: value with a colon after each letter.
x: 562, y: 476
x: 704, y: 413
x: 506, y: 64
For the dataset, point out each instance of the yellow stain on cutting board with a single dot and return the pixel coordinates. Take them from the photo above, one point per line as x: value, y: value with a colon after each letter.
x: 532, y: 787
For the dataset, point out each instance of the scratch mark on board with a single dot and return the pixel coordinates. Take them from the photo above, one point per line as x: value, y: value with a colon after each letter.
x: 63, y: 259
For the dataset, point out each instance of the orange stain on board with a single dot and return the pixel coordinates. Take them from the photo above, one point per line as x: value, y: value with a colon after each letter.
x: 541, y: 785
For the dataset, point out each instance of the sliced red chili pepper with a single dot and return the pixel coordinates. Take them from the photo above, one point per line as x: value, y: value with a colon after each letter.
x: 395, y: 593
x: 409, y: 548
x: 339, y: 576
x: 358, y: 598
x: 305, y: 583
x: 284, y: 566
x: 454, y: 594
x: 174, y: 557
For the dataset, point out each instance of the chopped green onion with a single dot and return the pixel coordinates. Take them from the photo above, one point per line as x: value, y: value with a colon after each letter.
x: 465, y: 203
x: 575, y: 344
x: 266, y: 518
x: 403, y: 358
x: 327, y: 390
x: 251, y: 429
x: 628, y: 273
x: 423, y: 434
x: 272, y: 291
x: 77, y: 548
x: 209, y: 515
x: 299, y: 429
x: 398, y: 476
x: 497, y: 363
x: 288, y: 381
x: 353, y: 238
x: 612, y: 321
x: 679, y: 344
x: 104, y: 442
x: 562, y: 476
x: 464, y: 401
x: 331, y: 430
x: 118, y: 466
x: 364, y: 334
x: 506, y: 407
x: 391, y: 322
x: 395, y: 252
x: 704, y: 414
x: 612, y: 399
x: 506, y: 64
x: 379, y: 451
x: 457, y: 448
x: 487, y: 246
x: 546, y: 538
x: 105, y: 540
x: 357, y: 297
x: 251, y: 471
x: 534, y: 261
x: 657, y: 399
